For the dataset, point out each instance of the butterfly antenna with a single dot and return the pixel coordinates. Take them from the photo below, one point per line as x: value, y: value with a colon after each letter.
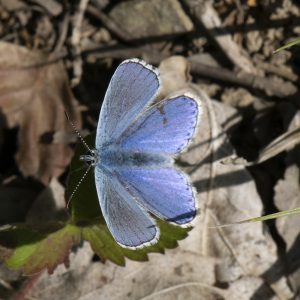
x: 78, y: 133
x: 78, y: 184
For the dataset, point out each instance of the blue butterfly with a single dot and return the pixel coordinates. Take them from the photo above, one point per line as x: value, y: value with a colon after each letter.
x: 136, y: 142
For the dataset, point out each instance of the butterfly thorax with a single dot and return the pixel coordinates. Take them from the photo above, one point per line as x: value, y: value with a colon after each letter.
x: 110, y: 158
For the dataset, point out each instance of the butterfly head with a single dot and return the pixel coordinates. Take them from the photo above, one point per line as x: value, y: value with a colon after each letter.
x: 92, y: 158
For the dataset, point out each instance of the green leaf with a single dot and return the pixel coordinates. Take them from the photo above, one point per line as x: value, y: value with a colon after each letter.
x: 86, y: 212
x: 33, y: 250
x: 105, y: 246
x: 103, y: 243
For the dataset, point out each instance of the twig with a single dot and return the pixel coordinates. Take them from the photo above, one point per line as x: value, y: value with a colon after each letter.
x: 241, y: 13
x: 247, y: 80
x: 204, y: 14
x: 124, y: 52
x: 75, y: 41
x: 5, y: 284
x: 109, y: 24
x: 63, y: 34
x: 214, y: 290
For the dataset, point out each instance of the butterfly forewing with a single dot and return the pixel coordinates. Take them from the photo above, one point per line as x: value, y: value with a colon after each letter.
x: 165, y: 128
x: 132, y: 87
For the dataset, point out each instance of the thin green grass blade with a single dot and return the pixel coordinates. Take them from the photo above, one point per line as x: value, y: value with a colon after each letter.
x: 280, y: 214
x: 288, y: 45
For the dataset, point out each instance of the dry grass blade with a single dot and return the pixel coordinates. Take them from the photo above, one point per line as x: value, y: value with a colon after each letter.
x: 283, y: 143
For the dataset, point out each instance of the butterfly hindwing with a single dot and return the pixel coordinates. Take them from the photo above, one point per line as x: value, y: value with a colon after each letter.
x: 130, y: 225
x: 164, y: 191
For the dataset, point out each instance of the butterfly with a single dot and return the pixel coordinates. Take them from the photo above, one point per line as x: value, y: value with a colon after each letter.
x: 137, y: 140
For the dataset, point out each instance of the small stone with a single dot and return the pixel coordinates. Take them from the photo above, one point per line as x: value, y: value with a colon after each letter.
x: 144, y: 18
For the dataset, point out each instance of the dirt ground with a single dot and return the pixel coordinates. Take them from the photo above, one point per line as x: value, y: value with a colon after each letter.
x: 59, y: 56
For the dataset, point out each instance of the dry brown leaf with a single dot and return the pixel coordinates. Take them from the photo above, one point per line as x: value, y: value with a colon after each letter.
x: 287, y: 193
x: 174, y: 79
x: 246, y: 285
x: 33, y: 97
